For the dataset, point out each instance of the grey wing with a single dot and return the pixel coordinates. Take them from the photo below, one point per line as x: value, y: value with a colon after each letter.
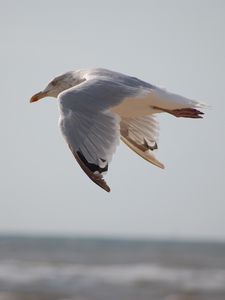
x: 90, y: 129
x: 92, y: 140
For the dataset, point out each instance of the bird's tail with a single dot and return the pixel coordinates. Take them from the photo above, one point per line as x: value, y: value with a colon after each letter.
x: 176, y: 105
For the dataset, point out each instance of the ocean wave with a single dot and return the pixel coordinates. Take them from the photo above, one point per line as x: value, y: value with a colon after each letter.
x: 24, y: 273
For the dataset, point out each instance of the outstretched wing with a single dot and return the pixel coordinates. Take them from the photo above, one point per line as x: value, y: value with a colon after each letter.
x: 92, y: 139
x: 91, y: 130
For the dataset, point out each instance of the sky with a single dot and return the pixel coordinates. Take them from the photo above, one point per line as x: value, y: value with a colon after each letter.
x: 178, y: 45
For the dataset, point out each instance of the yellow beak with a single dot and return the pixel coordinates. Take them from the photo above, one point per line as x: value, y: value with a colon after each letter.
x: 38, y: 96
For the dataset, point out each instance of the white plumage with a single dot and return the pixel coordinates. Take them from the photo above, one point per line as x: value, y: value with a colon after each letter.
x: 98, y: 107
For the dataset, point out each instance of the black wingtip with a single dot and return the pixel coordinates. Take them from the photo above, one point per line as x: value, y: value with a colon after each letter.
x: 96, y: 178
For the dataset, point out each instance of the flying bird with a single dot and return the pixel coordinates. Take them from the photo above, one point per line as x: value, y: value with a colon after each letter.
x: 98, y: 107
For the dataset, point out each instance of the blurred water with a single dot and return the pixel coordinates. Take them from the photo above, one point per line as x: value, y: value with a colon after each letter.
x: 96, y: 269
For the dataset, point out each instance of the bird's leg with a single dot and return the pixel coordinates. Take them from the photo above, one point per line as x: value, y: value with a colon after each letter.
x: 182, y: 112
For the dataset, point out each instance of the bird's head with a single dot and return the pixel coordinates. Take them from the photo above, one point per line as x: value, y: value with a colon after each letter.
x: 59, y: 84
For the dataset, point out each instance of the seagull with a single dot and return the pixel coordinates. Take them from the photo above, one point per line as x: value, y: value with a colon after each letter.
x: 98, y: 107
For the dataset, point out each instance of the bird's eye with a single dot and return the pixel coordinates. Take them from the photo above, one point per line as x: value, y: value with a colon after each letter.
x: 54, y: 82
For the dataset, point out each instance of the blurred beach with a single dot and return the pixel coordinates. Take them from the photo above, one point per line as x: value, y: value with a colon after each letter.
x: 47, y: 268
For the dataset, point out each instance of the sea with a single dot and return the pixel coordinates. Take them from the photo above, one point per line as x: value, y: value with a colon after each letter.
x: 69, y: 268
